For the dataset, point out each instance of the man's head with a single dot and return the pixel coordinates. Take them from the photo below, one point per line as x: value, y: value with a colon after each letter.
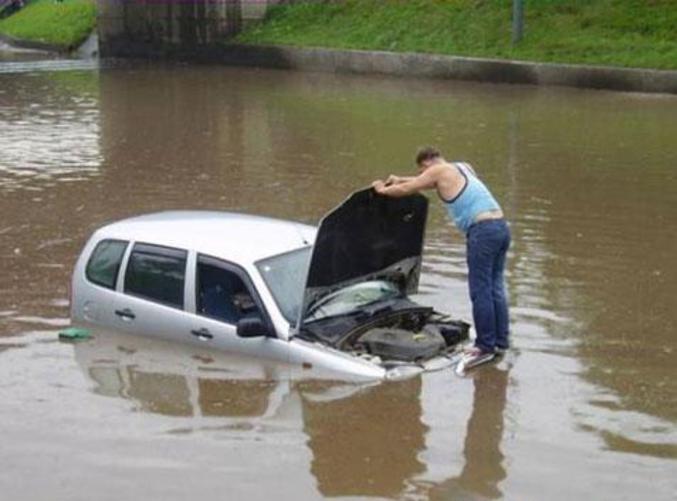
x: 427, y: 156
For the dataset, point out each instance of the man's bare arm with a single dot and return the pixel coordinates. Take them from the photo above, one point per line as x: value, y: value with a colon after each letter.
x: 424, y: 181
x: 393, y: 179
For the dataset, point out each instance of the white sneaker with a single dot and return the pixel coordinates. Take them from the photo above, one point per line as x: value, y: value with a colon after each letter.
x: 473, y: 357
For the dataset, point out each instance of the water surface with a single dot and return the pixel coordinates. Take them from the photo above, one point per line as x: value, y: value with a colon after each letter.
x: 585, y: 405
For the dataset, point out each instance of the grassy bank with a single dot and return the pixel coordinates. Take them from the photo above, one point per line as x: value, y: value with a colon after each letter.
x: 66, y: 24
x: 639, y: 33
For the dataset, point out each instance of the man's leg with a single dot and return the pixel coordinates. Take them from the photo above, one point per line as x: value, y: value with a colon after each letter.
x: 499, y: 294
x: 481, y: 256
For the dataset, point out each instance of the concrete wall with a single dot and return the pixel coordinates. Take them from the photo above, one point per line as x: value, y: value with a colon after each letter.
x: 444, y: 67
x: 155, y: 27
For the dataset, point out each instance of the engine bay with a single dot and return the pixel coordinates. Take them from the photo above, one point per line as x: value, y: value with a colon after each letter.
x: 401, y: 332
x: 412, y: 337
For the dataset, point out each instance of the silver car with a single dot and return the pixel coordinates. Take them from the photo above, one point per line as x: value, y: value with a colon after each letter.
x: 333, y: 298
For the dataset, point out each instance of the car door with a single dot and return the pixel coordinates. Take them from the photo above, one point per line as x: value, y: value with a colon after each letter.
x: 152, y: 295
x: 224, y: 294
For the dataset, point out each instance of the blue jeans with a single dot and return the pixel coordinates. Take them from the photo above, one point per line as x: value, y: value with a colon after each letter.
x: 487, y: 245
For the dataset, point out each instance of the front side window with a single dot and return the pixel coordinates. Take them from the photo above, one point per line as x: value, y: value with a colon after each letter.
x: 157, y: 273
x: 104, y: 264
x: 222, y: 294
x: 285, y: 276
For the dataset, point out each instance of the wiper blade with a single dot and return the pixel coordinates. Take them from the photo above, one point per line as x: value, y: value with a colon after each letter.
x: 360, y: 312
x: 382, y: 309
x: 352, y: 313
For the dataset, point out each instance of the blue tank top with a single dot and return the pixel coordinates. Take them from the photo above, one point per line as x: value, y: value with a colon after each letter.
x: 473, y: 199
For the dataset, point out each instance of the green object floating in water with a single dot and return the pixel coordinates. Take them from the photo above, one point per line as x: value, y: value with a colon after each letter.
x: 74, y: 334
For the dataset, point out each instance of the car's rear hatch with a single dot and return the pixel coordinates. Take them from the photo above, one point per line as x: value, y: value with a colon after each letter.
x: 368, y: 237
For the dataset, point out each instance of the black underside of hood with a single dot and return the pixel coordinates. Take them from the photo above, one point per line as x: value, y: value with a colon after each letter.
x: 368, y: 237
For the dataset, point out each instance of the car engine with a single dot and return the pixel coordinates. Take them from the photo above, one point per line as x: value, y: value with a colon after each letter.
x: 410, y: 338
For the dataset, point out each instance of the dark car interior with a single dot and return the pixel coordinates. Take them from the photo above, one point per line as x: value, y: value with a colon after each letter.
x: 223, y: 295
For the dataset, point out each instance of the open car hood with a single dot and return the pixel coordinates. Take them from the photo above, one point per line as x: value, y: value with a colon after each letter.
x: 367, y: 237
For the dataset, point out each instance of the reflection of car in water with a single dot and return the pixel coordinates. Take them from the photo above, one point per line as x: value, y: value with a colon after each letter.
x: 165, y: 378
x: 364, y: 439
x: 261, y: 287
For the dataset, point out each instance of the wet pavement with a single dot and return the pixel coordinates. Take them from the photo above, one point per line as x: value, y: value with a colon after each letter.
x: 585, y: 405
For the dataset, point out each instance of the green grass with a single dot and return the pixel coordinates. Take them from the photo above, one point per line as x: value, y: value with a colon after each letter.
x: 640, y: 33
x: 66, y: 24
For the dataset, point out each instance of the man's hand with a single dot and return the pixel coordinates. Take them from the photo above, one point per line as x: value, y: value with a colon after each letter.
x: 397, y: 186
x: 378, y: 186
x: 393, y: 179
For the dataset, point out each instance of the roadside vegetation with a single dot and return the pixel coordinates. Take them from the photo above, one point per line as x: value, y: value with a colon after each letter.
x: 640, y: 33
x: 65, y: 24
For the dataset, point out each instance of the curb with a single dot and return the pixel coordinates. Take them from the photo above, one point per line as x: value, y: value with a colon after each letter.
x: 33, y: 45
x: 407, y: 64
x: 451, y: 67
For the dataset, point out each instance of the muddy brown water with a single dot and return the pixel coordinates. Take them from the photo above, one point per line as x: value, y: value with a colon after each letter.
x: 584, y: 407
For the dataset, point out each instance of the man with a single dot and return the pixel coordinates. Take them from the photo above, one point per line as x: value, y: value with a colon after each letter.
x: 476, y: 213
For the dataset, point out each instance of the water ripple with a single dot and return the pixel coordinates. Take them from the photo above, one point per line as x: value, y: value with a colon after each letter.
x: 47, y: 135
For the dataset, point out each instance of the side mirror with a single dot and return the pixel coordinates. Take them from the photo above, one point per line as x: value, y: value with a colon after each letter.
x: 253, y: 327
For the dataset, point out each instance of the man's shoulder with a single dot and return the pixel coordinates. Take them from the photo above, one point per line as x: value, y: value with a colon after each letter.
x: 444, y: 169
x: 465, y: 165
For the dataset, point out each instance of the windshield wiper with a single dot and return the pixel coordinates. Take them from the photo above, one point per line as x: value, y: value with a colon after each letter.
x: 351, y: 313
x: 359, y: 312
x: 383, y: 309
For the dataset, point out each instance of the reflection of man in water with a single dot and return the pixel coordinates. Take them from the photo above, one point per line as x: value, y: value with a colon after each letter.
x: 483, y: 469
x: 477, y: 213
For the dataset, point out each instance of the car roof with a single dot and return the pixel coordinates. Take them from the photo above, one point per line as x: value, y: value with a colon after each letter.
x: 236, y: 237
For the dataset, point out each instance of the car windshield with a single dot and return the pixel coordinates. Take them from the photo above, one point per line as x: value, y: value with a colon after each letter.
x: 285, y: 276
x: 350, y: 299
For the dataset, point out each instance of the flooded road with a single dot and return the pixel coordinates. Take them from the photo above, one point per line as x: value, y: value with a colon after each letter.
x: 585, y: 406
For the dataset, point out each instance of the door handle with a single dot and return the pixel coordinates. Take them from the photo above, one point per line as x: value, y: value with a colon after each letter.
x: 125, y: 314
x: 202, y: 334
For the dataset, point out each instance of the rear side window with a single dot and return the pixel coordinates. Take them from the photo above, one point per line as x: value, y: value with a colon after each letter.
x: 104, y: 264
x: 156, y: 273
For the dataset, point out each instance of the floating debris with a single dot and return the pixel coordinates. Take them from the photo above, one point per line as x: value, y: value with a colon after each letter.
x: 74, y: 334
